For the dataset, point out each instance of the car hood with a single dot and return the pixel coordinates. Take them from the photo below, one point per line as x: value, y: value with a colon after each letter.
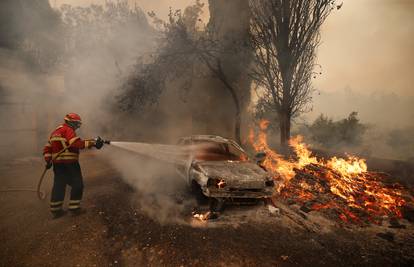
x: 236, y: 173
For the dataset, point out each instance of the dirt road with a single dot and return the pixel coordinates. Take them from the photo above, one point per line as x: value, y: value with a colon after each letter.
x: 116, y: 232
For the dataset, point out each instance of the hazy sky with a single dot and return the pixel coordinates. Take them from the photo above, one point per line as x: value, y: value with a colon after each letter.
x: 366, y: 45
x: 369, y: 45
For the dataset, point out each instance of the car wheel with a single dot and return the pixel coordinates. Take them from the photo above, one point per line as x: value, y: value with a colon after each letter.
x: 216, y: 204
x: 198, y: 193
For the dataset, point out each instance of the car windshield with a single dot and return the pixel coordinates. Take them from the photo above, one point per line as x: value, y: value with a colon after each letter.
x: 214, y: 151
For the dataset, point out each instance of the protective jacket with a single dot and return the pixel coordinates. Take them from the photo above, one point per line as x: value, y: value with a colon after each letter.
x: 64, y: 145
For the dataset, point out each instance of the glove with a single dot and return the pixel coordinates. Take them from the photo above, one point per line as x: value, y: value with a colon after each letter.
x: 49, y: 164
x: 99, y: 142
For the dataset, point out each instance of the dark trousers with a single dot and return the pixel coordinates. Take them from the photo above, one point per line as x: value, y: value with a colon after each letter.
x: 66, y: 174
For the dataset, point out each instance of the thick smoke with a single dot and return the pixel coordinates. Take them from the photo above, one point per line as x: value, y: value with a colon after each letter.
x: 75, y: 59
x: 95, y: 50
x: 383, y: 109
x: 388, y: 120
x: 160, y: 192
x: 42, y: 81
x: 366, y: 59
x: 367, y: 45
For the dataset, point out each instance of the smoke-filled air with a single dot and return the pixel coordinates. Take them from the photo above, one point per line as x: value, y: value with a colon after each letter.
x: 206, y: 133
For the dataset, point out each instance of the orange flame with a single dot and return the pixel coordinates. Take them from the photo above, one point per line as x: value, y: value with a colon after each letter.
x: 302, y: 152
x: 273, y: 162
x: 347, y: 179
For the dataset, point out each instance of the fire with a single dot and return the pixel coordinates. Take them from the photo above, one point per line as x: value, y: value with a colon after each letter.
x: 273, y: 162
x: 349, y: 167
x: 302, y: 152
x: 202, y: 217
x: 221, y: 184
x: 341, y: 184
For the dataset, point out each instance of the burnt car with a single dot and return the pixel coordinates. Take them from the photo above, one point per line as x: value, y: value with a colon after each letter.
x: 220, y: 170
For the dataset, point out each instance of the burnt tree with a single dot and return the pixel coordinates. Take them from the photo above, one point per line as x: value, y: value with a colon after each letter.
x: 210, y: 64
x: 284, y: 36
x: 229, y: 24
x: 206, y: 66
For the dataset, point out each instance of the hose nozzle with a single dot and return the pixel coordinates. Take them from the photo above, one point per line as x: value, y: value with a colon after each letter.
x: 99, y: 142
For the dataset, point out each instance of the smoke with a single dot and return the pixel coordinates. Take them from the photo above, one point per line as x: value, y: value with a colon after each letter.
x: 386, y: 110
x: 387, y: 138
x: 157, y: 173
x: 50, y: 67
x: 366, y: 59
x: 160, y: 192
x: 40, y: 82
x: 367, y: 45
x: 60, y: 61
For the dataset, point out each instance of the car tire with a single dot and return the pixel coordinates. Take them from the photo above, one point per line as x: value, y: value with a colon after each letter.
x: 198, y: 193
x: 216, y: 204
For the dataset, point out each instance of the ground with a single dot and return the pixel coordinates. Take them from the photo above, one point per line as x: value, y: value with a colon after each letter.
x: 116, y: 232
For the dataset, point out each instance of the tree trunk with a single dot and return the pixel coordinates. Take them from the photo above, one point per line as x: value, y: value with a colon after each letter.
x: 236, y: 101
x: 230, y: 22
x: 284, y: 128
x: 237, y: 126
x: 219, y: 73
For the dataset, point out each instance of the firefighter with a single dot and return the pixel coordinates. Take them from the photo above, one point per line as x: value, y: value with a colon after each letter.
x: 62, y: 152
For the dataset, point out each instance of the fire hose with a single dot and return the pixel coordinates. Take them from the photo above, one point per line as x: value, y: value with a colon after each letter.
x: 40, y: 194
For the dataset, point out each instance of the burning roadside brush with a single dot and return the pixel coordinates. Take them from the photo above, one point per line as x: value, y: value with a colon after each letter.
x: 339, y: 188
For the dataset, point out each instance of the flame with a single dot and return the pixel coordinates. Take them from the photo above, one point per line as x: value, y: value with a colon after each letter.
x: 302, y: 152
x: 347, y: 180
x: 273, y: 162
x: 201, y: 217
x: 243, y: 157
x: 349, y: 167
x: 221, y: 184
